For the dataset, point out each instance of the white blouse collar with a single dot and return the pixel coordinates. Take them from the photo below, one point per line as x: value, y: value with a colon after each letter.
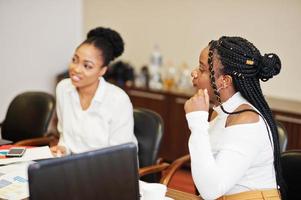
x: 100, y: 92
x: 231, y: 104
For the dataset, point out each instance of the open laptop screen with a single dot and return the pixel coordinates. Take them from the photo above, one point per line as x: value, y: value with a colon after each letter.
x: 110, y: 173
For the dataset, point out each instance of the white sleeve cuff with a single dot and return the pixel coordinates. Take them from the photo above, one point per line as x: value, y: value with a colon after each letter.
x: 197, y: 120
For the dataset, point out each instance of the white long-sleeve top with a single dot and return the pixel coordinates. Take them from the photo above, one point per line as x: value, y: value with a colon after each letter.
x: 108, y: 120
x: 229, y: 160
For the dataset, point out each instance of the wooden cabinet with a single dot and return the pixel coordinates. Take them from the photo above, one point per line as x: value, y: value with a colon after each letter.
x: 170, y: 105
x: 175, y: 143
x: 292, y: 123
x: 288, y: 112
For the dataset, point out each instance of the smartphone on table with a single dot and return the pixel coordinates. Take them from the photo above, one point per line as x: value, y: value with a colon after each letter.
x: 16, y: 152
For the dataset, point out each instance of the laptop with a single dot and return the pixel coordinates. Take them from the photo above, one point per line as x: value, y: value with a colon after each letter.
x: 110, y: 173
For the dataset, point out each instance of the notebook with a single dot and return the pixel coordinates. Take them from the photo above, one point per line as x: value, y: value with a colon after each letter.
x: 110, y: 173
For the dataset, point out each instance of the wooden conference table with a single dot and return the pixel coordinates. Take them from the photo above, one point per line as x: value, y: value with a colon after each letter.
x: 176, y: 195
x: 179, y: 195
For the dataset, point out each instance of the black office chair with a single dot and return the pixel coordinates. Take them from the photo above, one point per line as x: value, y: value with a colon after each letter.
x: 282, y: 133
x: 28, y: 117
x: 291, y: 171
x: 148, y: 129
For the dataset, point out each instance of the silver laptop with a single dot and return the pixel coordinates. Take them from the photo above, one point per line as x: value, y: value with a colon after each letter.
x: 110, y: 174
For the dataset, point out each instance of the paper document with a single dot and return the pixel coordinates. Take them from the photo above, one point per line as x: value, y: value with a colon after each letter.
x: 14, y: 181
x: 35, y: 153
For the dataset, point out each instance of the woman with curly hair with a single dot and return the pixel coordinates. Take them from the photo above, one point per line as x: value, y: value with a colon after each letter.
x: 235, y: 154
x: 93, y: 113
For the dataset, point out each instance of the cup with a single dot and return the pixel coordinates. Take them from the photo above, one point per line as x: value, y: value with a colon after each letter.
x: 152, y: 191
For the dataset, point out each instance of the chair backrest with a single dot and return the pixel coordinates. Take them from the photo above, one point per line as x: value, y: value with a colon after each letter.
x: 282, y: 133
x: 28, y: 116
x: 291, y: 171
x: 148, y: 129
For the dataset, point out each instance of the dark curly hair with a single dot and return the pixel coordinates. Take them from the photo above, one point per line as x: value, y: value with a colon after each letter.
x: 108, y: 41
x: 243, y: 62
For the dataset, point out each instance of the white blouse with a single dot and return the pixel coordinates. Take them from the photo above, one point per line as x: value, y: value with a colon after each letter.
x: 229, y: 160
x: 108, y: 120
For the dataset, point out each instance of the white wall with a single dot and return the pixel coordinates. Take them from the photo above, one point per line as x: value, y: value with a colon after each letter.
x: 182, y: 28
x: 37, y: 39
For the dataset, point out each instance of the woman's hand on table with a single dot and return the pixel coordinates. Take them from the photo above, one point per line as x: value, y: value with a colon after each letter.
x: 58, y: 151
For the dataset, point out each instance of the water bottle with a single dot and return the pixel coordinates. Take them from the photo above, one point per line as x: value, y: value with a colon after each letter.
x: 156, y: 57
x: 155, y: 68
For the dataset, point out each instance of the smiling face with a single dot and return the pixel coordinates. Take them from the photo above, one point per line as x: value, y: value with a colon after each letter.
x: 201, y: 75
x: 86, y: 66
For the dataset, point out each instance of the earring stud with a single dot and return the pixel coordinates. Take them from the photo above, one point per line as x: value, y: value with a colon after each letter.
x: 194, y: 74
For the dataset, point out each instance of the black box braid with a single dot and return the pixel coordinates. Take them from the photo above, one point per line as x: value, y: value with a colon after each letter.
x: 244, y: 63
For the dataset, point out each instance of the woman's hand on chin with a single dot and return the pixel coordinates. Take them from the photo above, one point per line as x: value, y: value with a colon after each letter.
x: 198, y: 102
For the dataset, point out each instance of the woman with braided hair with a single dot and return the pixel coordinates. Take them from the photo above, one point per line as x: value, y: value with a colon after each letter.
x: 236, y: 154
x: 93, y: 113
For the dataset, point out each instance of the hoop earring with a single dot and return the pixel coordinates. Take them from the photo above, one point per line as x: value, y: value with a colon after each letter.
x: 220, y: 88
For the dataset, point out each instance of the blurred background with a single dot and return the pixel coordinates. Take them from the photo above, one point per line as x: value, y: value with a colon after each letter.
x: 38, y: 37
